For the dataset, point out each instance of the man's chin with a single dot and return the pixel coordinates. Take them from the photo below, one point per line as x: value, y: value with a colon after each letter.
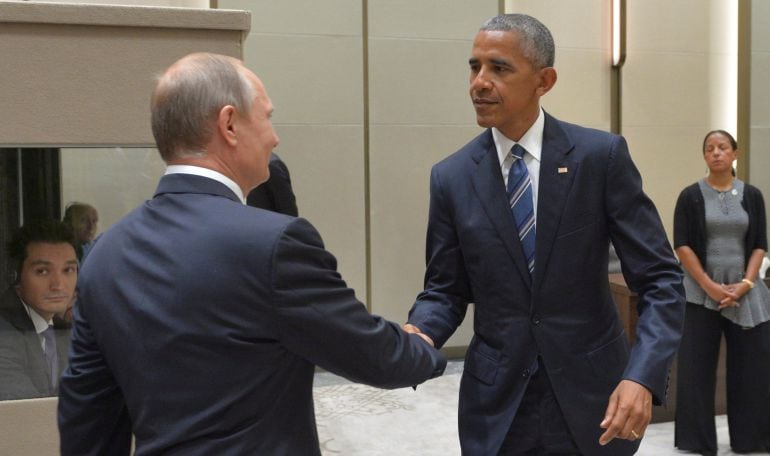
x: 484, y: 122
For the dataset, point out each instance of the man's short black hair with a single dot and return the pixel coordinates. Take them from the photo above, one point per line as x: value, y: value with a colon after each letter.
x: 45, y: 231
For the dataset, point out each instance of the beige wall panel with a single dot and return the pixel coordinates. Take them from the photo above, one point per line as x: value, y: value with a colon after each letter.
x: 658, y: 25
x: 759, y: 133
x: 431, y: 19
x: 310, y: 79
x: 760, y: 29
x: 174, y: 3
x: 666, y: 89
x: 419, y: 82
x: 581, y: 94
x: 759, y: 173
x: 326, y: 17
x: 326, y: 163
x: 581, y: 24
x: 760, y: 93
x: 400, y: 160
x: 102, y: 71
x: 28, y: 427
x: 668, y: 158
x: 57, y: 62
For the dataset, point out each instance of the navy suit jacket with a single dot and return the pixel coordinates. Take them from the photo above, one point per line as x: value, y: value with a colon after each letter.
x: 23, y: 370
x: 589, y: 194
x: 198, y: 326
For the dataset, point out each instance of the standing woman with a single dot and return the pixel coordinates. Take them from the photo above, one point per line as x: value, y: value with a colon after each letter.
x: 720, y: 238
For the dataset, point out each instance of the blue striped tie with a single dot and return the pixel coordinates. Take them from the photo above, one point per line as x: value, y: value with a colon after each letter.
x: 520, y: 199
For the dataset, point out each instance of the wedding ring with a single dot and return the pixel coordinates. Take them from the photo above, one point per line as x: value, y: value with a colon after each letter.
x: 633, y: 432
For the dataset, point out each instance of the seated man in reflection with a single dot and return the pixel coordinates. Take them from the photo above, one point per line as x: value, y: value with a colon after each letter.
x: 33, y: 340
x: 82, y: 219
x: 276, y: 194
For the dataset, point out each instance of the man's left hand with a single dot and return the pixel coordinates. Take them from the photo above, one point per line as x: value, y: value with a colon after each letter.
x: 628, y: 413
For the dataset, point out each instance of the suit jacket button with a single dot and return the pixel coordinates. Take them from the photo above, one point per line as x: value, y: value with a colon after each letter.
x: 525, y: 374
x: 536, y: 319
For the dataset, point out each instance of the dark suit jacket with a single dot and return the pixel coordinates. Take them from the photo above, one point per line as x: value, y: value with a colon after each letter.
x: 198, y: 327
x: 276, y: 194
x: 23, y: 369
x: 589, y: 193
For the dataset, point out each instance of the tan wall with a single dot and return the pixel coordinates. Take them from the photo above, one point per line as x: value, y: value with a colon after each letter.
x: 759, y: 172
x: 62, y: 63
x: 672, y: 92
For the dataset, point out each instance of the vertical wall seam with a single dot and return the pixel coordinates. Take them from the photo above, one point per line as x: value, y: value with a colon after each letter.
x: 367, y: 183
x: 743, y: 119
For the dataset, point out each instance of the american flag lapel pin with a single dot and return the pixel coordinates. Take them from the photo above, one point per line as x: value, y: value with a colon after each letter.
x: 562, y: 170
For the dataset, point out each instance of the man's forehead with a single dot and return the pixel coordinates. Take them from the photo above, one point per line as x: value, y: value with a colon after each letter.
x: 42, y: 252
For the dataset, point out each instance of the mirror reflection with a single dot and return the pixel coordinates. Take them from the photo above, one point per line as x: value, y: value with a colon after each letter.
x: 54, y: 203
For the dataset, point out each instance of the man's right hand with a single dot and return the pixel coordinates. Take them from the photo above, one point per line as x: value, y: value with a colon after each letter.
x: 412, y: 329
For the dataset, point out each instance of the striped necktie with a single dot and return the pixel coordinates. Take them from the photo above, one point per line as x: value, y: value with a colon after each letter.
x: 520, y: 199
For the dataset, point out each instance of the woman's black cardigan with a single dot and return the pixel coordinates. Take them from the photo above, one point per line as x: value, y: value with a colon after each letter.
x: 690, y: 221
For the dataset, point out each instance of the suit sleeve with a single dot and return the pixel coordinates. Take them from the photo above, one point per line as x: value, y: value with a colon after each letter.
x: 650, y: 269
x: 321, y: 320
x: 681, y: 221
x: 15, y: 382
x: 440, y: 308
x: 92, y: 416
x: 758, y: 219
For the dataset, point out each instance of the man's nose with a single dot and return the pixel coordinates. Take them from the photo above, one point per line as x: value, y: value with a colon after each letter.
x: 56, y: 282
x: 480, y: 81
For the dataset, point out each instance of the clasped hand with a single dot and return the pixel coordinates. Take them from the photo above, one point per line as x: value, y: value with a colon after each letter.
x: 727, y: 294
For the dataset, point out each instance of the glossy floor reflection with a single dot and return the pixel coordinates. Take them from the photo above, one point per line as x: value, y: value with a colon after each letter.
x: 359, y: 420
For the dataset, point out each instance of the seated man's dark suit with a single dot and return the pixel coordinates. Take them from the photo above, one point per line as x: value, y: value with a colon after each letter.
x: 276, y: 194
x: 24, y: 373
x: 199, y: 323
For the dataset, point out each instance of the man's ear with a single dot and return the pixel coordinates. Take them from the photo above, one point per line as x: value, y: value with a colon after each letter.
x: 226, y: 124
x: 547, y: 80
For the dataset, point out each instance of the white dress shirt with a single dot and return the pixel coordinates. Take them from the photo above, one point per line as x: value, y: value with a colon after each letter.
x: 38, y: 321
x: 210, y: 173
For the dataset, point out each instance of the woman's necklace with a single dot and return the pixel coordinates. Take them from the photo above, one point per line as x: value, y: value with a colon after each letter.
x: 722, y: 191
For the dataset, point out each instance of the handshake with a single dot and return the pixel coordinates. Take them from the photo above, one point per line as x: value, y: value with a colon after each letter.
x: 412, y: 329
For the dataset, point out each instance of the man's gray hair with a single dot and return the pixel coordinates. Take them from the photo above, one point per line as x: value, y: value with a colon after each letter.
x: 535, y: 40
x: 188, y: 98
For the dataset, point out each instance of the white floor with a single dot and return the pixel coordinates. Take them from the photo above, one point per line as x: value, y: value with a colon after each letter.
x: 359, y: 420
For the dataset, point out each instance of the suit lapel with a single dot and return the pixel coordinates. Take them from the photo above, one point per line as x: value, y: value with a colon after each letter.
x: 557, y: 172
x: 37, y: 367
x: 490, y: 189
